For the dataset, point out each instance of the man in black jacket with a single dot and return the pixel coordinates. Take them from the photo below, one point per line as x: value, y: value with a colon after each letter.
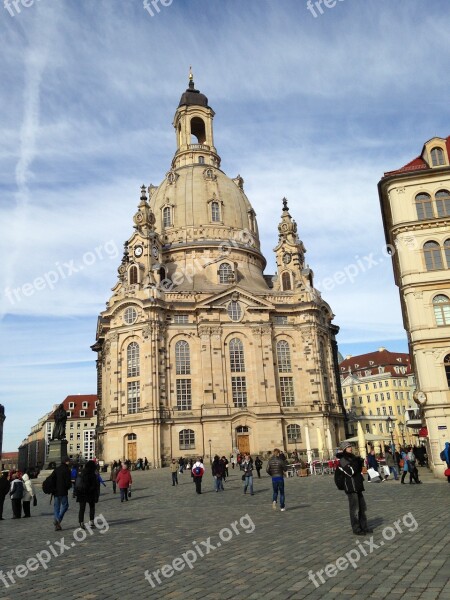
x: 354, y: 488
x: 62, y: 484
x: 4, y: 489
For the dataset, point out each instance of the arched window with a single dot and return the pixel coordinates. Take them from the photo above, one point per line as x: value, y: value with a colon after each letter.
x: 441, y: 306
x: 133, y: 275
x: 283, y: 357
x: 234, y: 311
x: 433, y: 256
x: 133, y: 360
x: 242, y: 429
x: 131, y: 437
x: 437, y: 157
x: 215, y: 212
x: 201, y: 160
x: 443, y: 203
x: 293, y: 434
x: 447, y: 252
x: 237, y: 361
x: 225, y: 273
x: 198, y: 130
x: 167, y: 217
x: 424, y: 207
x: 182, y: 358
x: 447, y: 369
x: 186, y: 438
x: 286, y: 281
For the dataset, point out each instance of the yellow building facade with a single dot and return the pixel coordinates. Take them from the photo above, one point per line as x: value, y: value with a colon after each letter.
x: 200, y: 352
x: 415, y: 204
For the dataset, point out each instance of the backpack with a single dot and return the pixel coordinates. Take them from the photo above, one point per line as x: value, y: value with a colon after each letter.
x: 80, y: 484
x: 18, y: 490
x: 339, y: 478
x: 442, y: 456
x: 48, y: 485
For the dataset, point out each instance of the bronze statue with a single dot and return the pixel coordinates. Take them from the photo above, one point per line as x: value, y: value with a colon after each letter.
x: 59, y: 430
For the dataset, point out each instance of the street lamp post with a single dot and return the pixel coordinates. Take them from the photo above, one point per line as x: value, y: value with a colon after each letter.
x: 210, y: 457
x: 402, y: 433
x: 390, y: 426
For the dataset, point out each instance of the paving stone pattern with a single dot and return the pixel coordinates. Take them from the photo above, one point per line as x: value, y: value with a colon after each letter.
x: 161, y: 522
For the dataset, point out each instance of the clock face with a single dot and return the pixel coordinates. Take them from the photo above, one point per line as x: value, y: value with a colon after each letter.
x: 138, y: 251
x: 155, y: 251
x: 287, y: 258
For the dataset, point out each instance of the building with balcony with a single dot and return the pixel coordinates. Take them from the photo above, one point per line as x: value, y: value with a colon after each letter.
x: 200, y: 352
x: 376, y: 386
x: 415, y: 205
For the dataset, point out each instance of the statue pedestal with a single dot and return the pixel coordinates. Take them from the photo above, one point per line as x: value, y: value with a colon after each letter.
x: 57, y: 452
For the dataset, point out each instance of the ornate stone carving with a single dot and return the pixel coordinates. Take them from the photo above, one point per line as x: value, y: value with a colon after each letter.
x: 147, y: 332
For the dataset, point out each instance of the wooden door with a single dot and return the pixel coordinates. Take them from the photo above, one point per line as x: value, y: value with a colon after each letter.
x: 244, y: 444
x: 132, y: 451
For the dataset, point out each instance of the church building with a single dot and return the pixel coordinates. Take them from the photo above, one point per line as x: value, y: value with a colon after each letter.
x: 200, y: 352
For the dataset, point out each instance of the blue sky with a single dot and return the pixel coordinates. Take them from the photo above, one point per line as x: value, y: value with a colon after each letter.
x: 314, y: 109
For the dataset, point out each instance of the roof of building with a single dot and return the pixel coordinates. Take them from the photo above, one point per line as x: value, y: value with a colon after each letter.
x: 10, y: 455
x: 78, y: 400
x: 193, y: 97
x: 358, y: 365
x: 417, y: 164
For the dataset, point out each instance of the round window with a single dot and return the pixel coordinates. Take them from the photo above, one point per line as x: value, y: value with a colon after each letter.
x: 234, y: 311
x: 130, y: 315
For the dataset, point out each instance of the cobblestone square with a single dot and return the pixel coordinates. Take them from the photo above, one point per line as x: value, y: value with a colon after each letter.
x: 237, y: 545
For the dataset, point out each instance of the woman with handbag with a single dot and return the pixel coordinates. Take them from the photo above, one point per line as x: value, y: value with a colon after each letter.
x: 124, y: 482
x: 28, y: 494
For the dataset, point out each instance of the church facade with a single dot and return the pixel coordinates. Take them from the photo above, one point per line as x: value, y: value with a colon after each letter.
x: 199, y: 352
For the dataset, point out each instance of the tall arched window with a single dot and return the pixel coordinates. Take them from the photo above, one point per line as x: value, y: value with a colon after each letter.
x: 225, y: 273
x: 443, y: 203
x: 133, y: 275
x: 447, y: 252
x: 437, y: 157
x: 133, y: 360
x: 293, y: 434
x: 186, y: 439
x: 447, y: 369
x: 283, y: 357
x: 286, y: 281
x: 433, y: 256
x: 441, y: 306
x: 201, y: 160
x: 167, y: 217
x: 182, y: 358
x: 215, y: 212
x: 424, y: 207
x: 237, y: 362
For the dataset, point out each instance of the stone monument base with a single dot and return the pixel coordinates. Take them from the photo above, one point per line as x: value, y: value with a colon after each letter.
x: 57, y: 453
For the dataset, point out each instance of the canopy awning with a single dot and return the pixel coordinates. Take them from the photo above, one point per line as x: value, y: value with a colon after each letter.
x: 370, y: 437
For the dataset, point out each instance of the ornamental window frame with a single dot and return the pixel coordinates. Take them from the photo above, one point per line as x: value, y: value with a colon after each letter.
x: 441, y: 308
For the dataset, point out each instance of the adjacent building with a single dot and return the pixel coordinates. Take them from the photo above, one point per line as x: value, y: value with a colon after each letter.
x: 379, y: 386
x: 415, y: 205
x: 199, y: 351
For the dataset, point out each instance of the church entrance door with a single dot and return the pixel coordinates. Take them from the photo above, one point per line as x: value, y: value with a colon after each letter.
x: 132, y: 451
x: 243, y: 444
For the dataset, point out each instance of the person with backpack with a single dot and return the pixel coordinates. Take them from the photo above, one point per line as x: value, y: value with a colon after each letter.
x: 349, y: 478
x: 87, y: 490
x: 16, y: 495
x: 28, y: 495
x: 61, y: 486
x: 445, y: 457
x: 197, y: 472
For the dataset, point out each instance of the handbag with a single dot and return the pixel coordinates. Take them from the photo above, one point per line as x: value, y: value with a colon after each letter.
x: 129, y: 493
x: 447, y: 472
x: 401, y: 463
x: 243, y: 477
x: 34, y: 501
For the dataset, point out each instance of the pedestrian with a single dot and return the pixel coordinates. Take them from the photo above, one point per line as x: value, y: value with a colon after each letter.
x: 16, y: 491
x: 445, y: 457
x: 181, y: 464
x: 146, y: 467
x: 351, y: 466
x: 87, y: 490
x: 390, y: 462
x: 28, y: 495
x: 224, y: 459
x: 248, y: 474
x: 62, y: 484
x: 233, y: 461
x: 258, y: 466
x: 4, y: 489
x: 218, y: 471
x: 174, y: 471
x: 239, y: 460
x: 372, y: 462
x: 73, y: 478
x: 197, y: 473
x: 124, y: 482
x: 113, y: 476
x: 412, y: 468
x: 276, y: 468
